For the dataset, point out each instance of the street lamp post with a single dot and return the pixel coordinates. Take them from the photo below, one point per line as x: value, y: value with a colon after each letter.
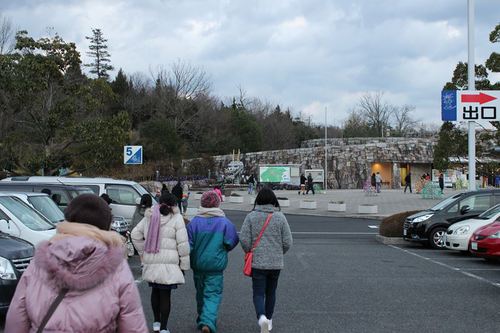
x: 472, y: 87
x: 325, y: 176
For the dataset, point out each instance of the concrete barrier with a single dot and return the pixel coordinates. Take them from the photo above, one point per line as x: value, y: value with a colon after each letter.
x: 308, y: 204
x: 337, y: 206
x: 367, y: 209
x: 197, y: 196
x: 235, y: 199
x: 284, y: 202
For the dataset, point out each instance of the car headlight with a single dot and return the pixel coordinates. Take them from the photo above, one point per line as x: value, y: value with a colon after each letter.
x: 422, y: 218
x: 462, y: 230
x: 6, y: 270
x: 495, y: 235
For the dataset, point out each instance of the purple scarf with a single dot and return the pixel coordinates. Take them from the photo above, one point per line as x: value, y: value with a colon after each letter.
x: 153, y: 239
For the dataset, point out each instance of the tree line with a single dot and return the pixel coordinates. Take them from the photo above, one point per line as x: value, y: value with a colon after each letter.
x: 54, y: 116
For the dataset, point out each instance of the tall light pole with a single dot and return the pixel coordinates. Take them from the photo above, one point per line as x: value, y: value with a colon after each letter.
x: 325, y: 176
x: 472, y: 86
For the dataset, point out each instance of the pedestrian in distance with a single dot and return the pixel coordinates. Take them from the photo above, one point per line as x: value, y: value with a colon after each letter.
x: 251, y: 183
x: 177, y: 191
x: 268, y: 260
x: 441, y: 182
x: 71, y: 273
x: 161, y: 240
x: 378, y: 182
x: 310, y: 184
x: 408, y: 181
x: 372, y: 180
x: 185, y: 198
x: 145, y: 203
x: 303, y: 180
x: 219, y: 192
x: 164, y: 189
x: 211, y: 237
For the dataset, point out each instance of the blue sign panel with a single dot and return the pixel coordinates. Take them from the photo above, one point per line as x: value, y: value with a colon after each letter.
x: 132, y: 155
x: 449, y: 105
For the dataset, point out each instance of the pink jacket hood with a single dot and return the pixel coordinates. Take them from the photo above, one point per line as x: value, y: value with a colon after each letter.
x: 77, y: 263
x: 102, y: 296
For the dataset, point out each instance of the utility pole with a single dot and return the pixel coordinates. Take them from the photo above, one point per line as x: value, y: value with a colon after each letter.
x: 326, y: 154
x: 472, y: 86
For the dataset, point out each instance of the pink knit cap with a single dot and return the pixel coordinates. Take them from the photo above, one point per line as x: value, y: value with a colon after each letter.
x: 210, y: 199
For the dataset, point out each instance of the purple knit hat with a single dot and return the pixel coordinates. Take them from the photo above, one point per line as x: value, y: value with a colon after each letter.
x: 210, y: 199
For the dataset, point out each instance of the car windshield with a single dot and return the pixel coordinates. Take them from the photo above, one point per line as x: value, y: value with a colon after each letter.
x: 142, y: 190
x: 443, y: 204
x: 81, y: 190
x: 27, y: 215
x: 490, y: 213
x: 47, y: 207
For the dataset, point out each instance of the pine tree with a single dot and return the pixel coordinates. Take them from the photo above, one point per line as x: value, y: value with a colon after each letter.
x: 99, y: 52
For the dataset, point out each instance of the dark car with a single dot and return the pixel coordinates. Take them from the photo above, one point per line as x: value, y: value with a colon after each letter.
x: 429, y: 226
x: 15, y: 256
x: 60, y: 193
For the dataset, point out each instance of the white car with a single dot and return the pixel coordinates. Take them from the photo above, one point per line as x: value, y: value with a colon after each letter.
x: 43, y: 204
x: 125, y: 194
x: 21, y: 220
x: 459, y: 234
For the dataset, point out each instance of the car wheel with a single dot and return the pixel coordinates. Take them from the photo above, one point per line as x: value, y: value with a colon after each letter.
x: 436, y: 239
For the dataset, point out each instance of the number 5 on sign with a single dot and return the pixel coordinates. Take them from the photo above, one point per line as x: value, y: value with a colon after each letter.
x: 132, y: 155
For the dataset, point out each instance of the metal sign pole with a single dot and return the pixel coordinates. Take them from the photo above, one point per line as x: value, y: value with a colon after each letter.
x: 472, y: 87
x: 325, y: 176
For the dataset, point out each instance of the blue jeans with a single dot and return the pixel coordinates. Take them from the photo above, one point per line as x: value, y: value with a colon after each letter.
x: 264, y: 284
x: 250, y: 188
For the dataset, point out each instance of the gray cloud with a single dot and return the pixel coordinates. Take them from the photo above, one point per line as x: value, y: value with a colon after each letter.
x: 304, y: 54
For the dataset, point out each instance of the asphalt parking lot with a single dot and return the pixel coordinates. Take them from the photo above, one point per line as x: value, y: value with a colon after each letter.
x: 338, y: 278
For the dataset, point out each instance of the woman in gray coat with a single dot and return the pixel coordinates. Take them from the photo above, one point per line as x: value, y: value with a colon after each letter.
x: 268, y: 255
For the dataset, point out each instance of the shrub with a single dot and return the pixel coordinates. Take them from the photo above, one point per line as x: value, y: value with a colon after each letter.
x: 392, y: 226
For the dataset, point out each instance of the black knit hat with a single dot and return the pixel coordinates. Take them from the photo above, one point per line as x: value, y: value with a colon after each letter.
x: 89, y: 209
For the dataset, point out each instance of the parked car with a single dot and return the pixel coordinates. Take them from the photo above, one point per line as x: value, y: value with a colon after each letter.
x: 20, y: 220
x: 125, y: 194
x: 15, y: 255
x: 61, y: 194
x: 458, y: 235
x: 485, y: 242
x: 43, y: 204
x: 429, y: 226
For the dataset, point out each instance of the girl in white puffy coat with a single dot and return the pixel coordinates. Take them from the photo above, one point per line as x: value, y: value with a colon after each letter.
x: 162, y: 241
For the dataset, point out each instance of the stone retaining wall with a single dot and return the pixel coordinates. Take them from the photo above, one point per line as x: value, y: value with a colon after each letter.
x: 349, y: 160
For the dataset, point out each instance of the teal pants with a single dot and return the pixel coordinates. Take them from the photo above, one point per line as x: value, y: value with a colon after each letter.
x: 208, y: 297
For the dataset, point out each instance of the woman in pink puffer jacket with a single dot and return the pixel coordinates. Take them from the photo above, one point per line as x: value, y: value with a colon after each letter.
x: 88, y: 260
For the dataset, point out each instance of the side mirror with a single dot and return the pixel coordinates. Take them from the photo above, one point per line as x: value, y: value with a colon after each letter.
x: 4, y: 225
x: 138, y: 201
x: 464, y: 210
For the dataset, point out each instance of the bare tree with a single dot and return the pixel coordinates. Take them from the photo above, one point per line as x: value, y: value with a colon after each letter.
x: 6, y: 35
x: 375, y: 111
x: 403, y: 120
x: 188, y: 81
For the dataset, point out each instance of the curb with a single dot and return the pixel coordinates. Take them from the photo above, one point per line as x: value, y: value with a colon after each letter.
x: 390, y: 240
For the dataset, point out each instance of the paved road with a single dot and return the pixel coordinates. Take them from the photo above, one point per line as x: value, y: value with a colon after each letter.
x: 339, y: 279
x: 345, y: 281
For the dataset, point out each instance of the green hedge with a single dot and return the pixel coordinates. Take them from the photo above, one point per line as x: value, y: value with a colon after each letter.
x: 392, y: 226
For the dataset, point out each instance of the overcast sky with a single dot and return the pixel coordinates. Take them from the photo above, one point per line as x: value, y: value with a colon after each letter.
x: 302, y: 54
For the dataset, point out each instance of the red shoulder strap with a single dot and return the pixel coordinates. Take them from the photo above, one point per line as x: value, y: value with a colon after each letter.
x: 262, y: 231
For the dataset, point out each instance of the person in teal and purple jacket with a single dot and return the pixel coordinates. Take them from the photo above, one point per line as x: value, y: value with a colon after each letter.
x: 211, y: 237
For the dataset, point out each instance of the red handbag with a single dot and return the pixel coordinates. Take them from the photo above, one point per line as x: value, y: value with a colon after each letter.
x: 247, y: 268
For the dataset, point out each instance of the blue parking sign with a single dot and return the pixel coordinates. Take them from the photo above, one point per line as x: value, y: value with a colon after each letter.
x: 132, y: 155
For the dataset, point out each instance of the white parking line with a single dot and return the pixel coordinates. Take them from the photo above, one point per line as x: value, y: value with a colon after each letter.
x: 331, y: 233
x: 494, y: 284
x: 481, y: 269
x: 373, y: 226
